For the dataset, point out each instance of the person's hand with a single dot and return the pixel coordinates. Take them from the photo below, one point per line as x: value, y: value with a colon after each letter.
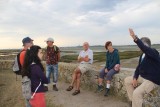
x: 106, y: 70
x: 80, y: 58
x: 86, y: 59
x: 134, y: 83
x: 86, y: 56
x: 117, y: 67
x: 132, y: 34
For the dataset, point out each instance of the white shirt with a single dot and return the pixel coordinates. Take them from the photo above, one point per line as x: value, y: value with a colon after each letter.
x: 142, y: 57
x: 88, y: 53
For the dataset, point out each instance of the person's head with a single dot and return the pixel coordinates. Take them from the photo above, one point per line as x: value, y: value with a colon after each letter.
x: 49, y: 41
x: 27, y: 42
x: 108, y: 45
x: 85, y: 46
x: 146, y: 41
x: 33, y: 55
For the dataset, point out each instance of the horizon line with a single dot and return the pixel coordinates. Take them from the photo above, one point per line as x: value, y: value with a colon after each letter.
x: 74, y: 46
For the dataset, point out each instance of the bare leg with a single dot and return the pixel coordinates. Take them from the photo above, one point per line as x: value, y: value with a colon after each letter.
x: 78, y: 81
x: 100, y: 80
x: 74, y: 76
x: 108, y: 82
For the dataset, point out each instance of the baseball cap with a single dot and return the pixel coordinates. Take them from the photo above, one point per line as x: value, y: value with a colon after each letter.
x: 49, y: 39
x: 26, y: 40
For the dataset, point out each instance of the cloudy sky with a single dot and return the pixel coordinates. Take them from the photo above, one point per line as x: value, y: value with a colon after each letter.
x: 71, y: 22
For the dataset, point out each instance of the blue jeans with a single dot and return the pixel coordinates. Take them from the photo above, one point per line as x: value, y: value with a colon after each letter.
x: 54, y: 70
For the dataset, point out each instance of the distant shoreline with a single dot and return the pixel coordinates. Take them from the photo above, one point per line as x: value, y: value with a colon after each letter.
x: 92, y: 46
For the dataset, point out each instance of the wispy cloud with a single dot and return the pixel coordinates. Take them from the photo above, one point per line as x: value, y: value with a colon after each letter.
x: 72, y: 22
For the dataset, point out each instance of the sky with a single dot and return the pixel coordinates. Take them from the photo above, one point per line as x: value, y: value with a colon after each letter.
x: 72, y: 22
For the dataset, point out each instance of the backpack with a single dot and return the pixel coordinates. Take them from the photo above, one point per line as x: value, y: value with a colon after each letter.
x: 16, y: 65
x: 26, y: 88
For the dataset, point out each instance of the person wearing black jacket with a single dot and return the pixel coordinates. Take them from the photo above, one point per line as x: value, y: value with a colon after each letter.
x: 147, y: 72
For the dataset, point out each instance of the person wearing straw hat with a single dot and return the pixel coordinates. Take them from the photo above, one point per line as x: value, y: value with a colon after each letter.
x: 52, y: 57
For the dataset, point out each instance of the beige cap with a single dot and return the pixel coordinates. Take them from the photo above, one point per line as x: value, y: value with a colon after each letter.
x: 49, y: 39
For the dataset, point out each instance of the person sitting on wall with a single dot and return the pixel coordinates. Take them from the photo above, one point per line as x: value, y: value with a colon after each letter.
x: 112, y: 67
x: 147, y: 71
x: 86, y: 59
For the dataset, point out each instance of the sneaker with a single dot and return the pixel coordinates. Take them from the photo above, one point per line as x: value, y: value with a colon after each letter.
x: 55, y: 88
x: 76, y: 92
x: 45, y: 88
x: 107, y: 92
x: 100, y: 88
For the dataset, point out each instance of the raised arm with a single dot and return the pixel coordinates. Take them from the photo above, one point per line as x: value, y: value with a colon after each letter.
x: 145, y: 49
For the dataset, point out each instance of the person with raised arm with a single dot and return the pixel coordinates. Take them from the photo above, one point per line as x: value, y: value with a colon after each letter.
x: 147, y: 72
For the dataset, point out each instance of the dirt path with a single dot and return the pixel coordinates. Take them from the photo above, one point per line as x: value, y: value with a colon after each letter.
x: 86, y: 98
x: 63, y: 98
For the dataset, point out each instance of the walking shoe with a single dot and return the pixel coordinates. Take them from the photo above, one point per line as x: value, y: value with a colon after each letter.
x: 69, y: 88
x: 55, y: 88
x: 76, y: 92
x: 130, y: 103
x: 45, y: 88
x: 107, y: 92
x: 99, y: 88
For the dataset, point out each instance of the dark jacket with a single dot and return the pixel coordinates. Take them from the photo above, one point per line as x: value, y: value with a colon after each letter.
x: 112, y: 59
x: 149, y: 68
x: 37, y: 75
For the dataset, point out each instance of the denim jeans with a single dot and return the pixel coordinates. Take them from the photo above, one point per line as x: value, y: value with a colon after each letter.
x: 54, y: 70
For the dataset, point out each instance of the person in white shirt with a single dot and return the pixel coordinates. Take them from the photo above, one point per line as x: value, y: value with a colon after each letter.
x: 86, y: 59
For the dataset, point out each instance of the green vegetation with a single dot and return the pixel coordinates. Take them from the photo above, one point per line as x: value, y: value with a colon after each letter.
x: 68, y: 58
x: 129, y: 54
x: 101, y: 56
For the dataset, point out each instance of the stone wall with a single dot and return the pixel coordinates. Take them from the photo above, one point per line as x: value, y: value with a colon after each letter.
x: 152, y: 99
x: 89, y: 81
x: 7, y: 57
x: 5, y: 64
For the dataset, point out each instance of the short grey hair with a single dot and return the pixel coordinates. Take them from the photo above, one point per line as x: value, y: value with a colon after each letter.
x: 86, y: 43
x: 146, y: 41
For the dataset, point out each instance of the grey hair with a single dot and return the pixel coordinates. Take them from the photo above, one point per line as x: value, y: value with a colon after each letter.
x: 146, y: 41
x: 86, y: 43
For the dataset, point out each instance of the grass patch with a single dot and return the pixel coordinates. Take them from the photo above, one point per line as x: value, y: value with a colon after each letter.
x: 68, y: 58
x: 129, y: 54
x: 11, y: 94
x: 101, y: 56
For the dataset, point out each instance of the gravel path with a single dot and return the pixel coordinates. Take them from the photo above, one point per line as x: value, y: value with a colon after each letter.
x: 86, y: 98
